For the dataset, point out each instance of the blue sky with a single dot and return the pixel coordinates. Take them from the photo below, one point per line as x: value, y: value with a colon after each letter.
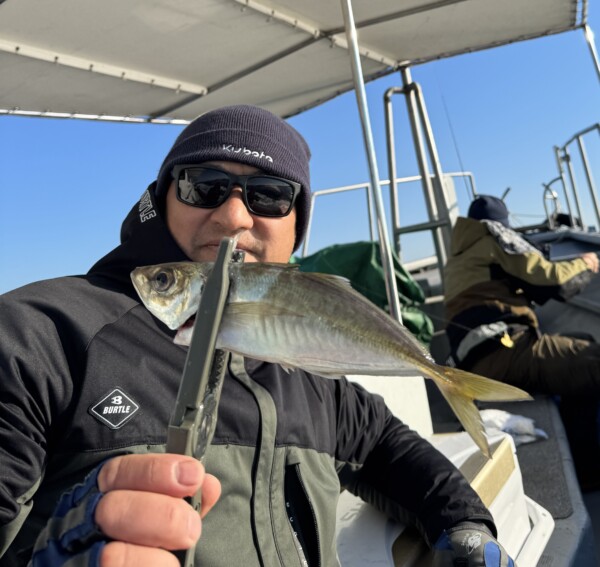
x: 66, y: 185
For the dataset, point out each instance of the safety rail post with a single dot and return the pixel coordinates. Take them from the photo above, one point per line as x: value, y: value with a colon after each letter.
x: 391, y: 157
x: 435, y: 198
x: 439, y: 193
x: 366, y: 187
x: 417, y: 136
x: 469, y: 175
x: 387, y: 260
x: 344, y: 189
x: 563, y: 155
x: 566, y: 157
x: 561, y: 176
x: 551, y: 195
x: 588, y: 174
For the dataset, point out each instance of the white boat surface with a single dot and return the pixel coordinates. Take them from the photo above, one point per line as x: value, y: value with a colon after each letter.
x: 144, y: 60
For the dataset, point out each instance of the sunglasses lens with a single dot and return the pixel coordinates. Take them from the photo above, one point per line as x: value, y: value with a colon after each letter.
x: 203, y: 187
x: 209, y: 188
x: 269, y: 197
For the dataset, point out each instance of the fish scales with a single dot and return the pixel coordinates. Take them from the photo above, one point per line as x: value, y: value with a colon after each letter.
x: 300, y: 316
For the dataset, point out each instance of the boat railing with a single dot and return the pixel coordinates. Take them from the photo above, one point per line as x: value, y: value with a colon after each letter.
x: 566, y: 155
x: 431, y: 225
x: 427, y: 156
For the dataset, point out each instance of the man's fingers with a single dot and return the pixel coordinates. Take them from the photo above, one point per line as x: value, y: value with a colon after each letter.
x: 174, y: 475
x: 143, y: 500
x: 148, y: 519
x: 591, y: 259
x: 118, y: 554
x: 211, y: 490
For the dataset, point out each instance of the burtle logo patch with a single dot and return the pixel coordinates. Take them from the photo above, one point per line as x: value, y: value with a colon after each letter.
x: 115, y: 409
x: 145, y: 207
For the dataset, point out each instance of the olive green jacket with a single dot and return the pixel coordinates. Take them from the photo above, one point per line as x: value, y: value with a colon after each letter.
x: 494, y: 275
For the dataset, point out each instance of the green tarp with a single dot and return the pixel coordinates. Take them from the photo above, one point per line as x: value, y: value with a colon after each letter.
x: 360, y: 262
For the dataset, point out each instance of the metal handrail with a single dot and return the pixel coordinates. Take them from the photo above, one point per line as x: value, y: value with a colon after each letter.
x: 365, y: 187
x: 551, y: 195
x: 563, y: 156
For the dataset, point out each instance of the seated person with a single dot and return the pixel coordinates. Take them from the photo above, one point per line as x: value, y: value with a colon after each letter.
x: 492, y: 279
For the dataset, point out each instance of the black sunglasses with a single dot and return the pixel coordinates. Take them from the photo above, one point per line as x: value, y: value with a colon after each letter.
x: 208, y: 188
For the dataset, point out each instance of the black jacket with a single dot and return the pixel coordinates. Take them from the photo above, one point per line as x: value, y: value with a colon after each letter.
x: 88, y: 373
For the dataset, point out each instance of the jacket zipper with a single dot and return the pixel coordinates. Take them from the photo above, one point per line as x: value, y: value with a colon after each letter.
x: 312, y: 512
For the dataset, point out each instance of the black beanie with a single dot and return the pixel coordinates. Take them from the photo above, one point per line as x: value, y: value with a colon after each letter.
x: 486, y: 207
x: 245, y: 134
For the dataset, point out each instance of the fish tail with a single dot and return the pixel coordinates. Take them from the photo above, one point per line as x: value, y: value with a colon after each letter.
x: 461, y: 388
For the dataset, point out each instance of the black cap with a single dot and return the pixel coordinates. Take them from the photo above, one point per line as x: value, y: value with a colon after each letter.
x: 249, y: 135
x: 487, y: 207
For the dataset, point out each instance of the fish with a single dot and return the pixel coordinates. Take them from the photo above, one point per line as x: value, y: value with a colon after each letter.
x: 312, y: 321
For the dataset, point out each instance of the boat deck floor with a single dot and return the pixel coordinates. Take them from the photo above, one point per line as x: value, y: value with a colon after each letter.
x: 548, y: 478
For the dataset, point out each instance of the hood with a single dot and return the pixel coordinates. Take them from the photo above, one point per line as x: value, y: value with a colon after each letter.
x: 145, y: 240
x: 466, y: 233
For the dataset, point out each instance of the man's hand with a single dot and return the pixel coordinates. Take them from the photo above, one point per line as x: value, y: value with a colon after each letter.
x: 591, y: 260
x: 470, y: 544
x: 129, y: 513
x: 143, y: 507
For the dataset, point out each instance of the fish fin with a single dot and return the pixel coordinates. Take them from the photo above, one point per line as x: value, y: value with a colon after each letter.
x: 460, y: 388
x: 483, y: 389
x: 470, y: 418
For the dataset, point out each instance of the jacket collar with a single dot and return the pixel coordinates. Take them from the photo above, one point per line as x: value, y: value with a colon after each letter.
x: 145, y: 240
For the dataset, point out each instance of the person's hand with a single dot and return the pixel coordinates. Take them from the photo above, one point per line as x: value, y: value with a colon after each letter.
x: 591, y: 260
x: 470, y: 544
x: 144, y: 511
x: 130, y: 512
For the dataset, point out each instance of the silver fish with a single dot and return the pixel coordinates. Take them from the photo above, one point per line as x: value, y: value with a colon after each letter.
x: 312, y: 321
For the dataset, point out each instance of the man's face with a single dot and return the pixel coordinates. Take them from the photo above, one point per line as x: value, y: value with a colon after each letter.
x: 199, y: 231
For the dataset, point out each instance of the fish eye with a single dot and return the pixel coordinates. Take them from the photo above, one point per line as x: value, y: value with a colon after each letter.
x: 162, y: 281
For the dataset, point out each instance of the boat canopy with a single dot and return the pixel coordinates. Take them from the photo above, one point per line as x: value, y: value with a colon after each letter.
x: 161, y: 60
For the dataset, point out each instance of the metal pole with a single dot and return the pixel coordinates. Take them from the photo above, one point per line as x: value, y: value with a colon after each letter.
x: 470, y: 178
x: 323, y: 192
x: 438, y: 189
x: 387, y: 260
x: 589, y: 36
x: 389, y: 128
x: 369, y: 195
x: 430, y: 200
x: 309, y: 225
x: 567, y: 159
x: 590, y: 179
x: 550, y: 195
x: 561, y: 174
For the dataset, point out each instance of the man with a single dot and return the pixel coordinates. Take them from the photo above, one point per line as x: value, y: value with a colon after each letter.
x: 90, y: 377
x: 492, y: 278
